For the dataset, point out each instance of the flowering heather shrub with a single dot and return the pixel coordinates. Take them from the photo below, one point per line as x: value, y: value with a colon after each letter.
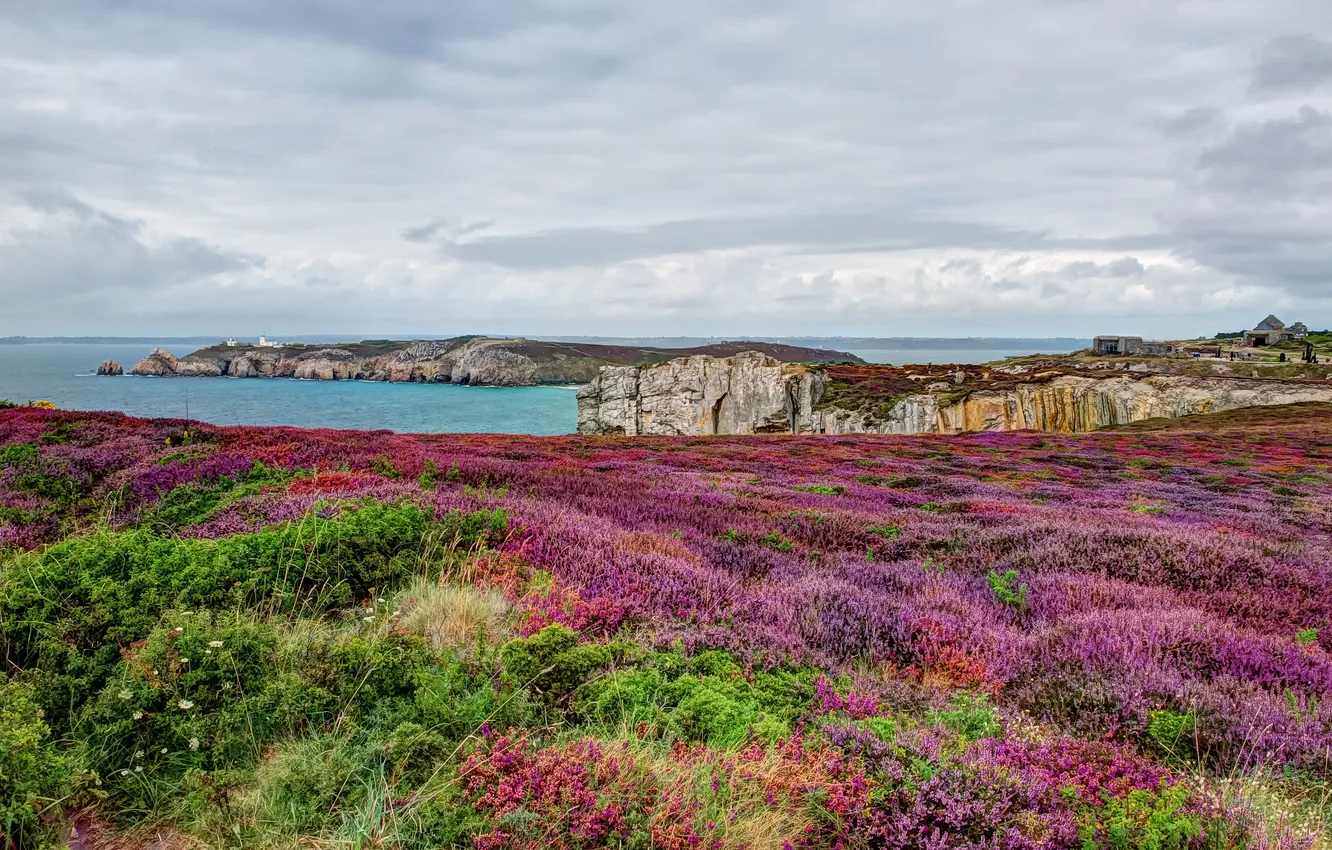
x: 905, y: 610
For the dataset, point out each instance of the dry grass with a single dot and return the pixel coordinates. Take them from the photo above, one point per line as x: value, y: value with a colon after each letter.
x: 89, y: 832
x: 1283, y: 807
x: 453, y: 617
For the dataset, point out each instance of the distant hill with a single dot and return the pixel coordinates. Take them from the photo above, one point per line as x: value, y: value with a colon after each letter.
x: 460, y: 360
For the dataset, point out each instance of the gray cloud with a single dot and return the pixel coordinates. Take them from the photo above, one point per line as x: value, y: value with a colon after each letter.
x: 1296, y: 63
x: 1257, y: 202
x: 830, y: 233
x: 73, y: 249
x: 749, y: 166
x: 1283, y: 157
x: 1190, y: 121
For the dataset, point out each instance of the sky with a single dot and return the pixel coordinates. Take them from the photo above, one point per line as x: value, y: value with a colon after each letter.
x: 696, y: 167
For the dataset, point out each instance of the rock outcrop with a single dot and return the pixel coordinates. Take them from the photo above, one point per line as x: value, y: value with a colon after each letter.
x: 464, y: 360
x: 110, y: 367
x: 750, y: 393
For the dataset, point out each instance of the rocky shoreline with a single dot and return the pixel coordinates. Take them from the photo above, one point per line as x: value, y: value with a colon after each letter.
x: 751, y: 393
x: 462, y: 360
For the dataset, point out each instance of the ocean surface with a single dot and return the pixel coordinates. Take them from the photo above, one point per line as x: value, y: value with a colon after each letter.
x: 64, y: 374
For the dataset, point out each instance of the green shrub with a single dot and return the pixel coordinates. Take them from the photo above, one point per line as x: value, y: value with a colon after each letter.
x: 20, y: 455
x: 1171, y: 732
x: 34, y: 775
x: 821, y: 489
x: 67, y: 610
x: 932, y: 507
x: 430, y: 475
x: 1143, y: 819
x: 193, y: 503
x: 971, y: 717
x: 776, y: 542
x: 707, y: 698
x: 455, y: 700
x: 1147, y: 509
x: 1306, y: 637
x: 552, y: 663
x: 1007, y: 590
x: 887, y: 532
x: 383, y: 464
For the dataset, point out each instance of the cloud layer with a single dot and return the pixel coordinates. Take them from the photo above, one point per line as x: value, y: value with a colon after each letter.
x: 736, y: 167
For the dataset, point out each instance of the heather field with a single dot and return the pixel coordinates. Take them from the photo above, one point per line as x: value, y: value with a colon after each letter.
x: 276, y: 638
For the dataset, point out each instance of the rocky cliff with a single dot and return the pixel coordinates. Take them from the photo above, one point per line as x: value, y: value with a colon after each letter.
x: 110, y: 367
x: 751, y: 393
x: 463, y: 360
x: 748, y: 393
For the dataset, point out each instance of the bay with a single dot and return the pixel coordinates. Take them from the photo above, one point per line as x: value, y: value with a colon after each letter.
x: 63, y: 374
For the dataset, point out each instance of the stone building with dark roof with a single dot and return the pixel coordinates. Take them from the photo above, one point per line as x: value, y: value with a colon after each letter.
x: 1272, y: 330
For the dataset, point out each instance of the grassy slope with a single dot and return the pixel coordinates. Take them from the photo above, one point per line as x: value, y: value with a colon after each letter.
x: 271, y: 637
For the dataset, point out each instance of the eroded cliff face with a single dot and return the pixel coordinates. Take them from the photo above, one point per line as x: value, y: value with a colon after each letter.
x: 750, y: 393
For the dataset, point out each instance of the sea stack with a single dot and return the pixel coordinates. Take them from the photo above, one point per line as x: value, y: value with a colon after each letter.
x: 110, y: 367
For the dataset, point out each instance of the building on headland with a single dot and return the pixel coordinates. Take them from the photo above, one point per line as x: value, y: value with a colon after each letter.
x: 1123, y: 345
x: 264, y: 342
x: 1272, y: 330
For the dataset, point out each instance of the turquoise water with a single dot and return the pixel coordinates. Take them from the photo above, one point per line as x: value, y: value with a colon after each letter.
x: 63, y: 375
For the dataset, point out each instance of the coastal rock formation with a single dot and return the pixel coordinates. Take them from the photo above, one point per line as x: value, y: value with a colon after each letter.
x: 464, y: 360
x: 157, y: 363
x: 110, y: 367
x: 750, y: 393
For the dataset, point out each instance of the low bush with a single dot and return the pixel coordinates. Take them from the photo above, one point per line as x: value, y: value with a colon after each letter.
x: 34, y: 773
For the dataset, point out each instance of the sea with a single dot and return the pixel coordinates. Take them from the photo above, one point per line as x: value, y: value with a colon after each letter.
x: 65, y: 375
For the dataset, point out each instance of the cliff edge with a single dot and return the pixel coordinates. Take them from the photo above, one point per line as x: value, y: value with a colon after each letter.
x: 751, y: 393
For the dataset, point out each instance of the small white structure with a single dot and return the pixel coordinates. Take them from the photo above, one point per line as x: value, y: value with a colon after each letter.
x: 265, y: 342
x: 231, y: 342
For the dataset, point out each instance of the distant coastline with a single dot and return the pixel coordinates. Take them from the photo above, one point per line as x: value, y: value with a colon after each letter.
x: 840, y: 343
x: 464, y: 361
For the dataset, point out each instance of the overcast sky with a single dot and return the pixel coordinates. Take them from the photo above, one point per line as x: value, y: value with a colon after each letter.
x: 613, y: 167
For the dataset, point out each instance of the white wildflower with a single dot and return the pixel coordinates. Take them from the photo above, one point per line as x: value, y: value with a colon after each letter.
x: 138, y: 715
x: 125, y: 772
x: 215, y: 644
x: 185, y: 704
x: 125, y: 694
x: 138, y: 754
x: 180, y: 628
x: 369, y: 619
x: 164, y: 749
x: 380, y: 599
x: 138, y: 768
x: 184, y: 661
x: 194, y: 743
